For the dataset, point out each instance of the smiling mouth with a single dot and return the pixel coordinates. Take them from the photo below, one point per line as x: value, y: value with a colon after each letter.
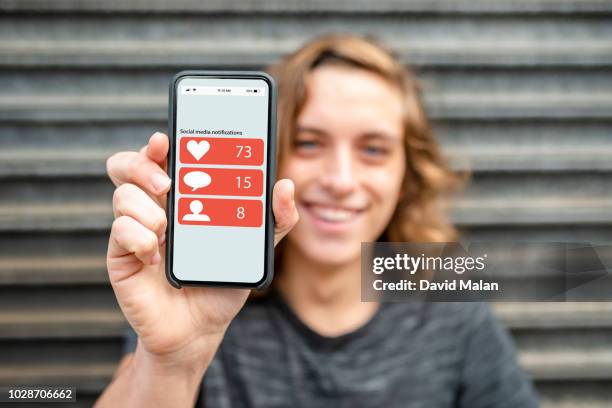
x: 333, y: 214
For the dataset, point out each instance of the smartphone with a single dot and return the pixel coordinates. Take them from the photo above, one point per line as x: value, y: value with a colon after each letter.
x: 221, y: 161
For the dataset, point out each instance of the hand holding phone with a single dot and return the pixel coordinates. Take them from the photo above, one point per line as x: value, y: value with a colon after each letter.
x: 181, y: 327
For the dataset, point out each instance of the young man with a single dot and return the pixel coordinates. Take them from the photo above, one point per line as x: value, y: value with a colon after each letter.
x: 357, y: 163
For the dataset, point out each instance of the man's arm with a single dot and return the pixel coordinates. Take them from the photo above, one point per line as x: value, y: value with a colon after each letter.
x: 179, y: 330
x: 141, y: 380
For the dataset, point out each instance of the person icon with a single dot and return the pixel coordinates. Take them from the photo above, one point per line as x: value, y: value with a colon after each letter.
x: 196, y: 207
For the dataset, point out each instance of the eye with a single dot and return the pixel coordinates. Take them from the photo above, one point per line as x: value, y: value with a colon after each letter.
x: 306, y: 144
x: 373, y: 150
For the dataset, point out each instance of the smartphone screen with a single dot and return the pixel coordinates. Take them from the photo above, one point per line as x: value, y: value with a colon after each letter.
x: 221, y: 130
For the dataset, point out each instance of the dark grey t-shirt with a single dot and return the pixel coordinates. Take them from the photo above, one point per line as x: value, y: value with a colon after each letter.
x: 408, y: 355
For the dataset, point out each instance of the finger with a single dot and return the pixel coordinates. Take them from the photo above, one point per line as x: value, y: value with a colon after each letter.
x: 285, y: 211
x: 130, y: 200
x: 128, y: 237
x: 116, y: 167
x: 137, y: 168
x: 157, y: 148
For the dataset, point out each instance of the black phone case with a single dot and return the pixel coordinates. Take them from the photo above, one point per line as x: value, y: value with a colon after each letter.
x: 270, y: 178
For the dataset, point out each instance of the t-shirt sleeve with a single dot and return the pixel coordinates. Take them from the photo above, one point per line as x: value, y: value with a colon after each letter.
x: 491, y: 375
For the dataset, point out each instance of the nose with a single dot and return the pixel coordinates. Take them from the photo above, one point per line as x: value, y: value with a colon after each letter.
x: 338, y: 176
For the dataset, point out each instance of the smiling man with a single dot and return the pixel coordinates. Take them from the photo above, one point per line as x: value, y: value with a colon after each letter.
x: 358, y: 163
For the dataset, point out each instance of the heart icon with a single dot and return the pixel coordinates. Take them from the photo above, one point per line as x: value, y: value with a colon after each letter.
x: 198, y: 150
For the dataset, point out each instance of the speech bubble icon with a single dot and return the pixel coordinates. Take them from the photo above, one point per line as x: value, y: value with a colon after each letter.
x: 197, y: 179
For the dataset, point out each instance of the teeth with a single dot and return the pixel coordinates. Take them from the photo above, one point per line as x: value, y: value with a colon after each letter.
x: 334, y: 215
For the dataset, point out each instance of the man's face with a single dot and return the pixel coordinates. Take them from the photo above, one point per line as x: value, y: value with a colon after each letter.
x: 347, y: 163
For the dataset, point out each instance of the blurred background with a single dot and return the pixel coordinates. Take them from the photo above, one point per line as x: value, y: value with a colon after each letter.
x: 521, y: 90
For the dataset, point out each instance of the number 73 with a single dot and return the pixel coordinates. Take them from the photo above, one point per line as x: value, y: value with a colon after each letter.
x: 244, y: 150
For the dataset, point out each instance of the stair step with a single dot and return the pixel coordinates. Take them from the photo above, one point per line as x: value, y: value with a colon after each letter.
x: 313, y: 6
x: 86, y: 377
x: 53, y: 270
x: 70, y: 324
x: 190, y: 54
x: 61, y: 108
x: 473, y: 212
x: 547, y: 315
x: 568, y: 365
x: 56, y: 217
x: 518, y: 160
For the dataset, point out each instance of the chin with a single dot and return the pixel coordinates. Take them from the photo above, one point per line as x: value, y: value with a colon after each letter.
x: 329, y: 252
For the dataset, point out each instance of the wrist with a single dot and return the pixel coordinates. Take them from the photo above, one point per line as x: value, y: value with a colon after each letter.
x: 187, y: 361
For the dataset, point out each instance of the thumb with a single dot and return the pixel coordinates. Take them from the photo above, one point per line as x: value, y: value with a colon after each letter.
x: 283, y: 205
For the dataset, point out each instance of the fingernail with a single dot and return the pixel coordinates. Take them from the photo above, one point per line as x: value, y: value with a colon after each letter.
x: 160, y: 181
x: 156, y: 258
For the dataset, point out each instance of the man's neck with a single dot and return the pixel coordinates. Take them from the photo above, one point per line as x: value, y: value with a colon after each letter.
x: 325, y: 297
